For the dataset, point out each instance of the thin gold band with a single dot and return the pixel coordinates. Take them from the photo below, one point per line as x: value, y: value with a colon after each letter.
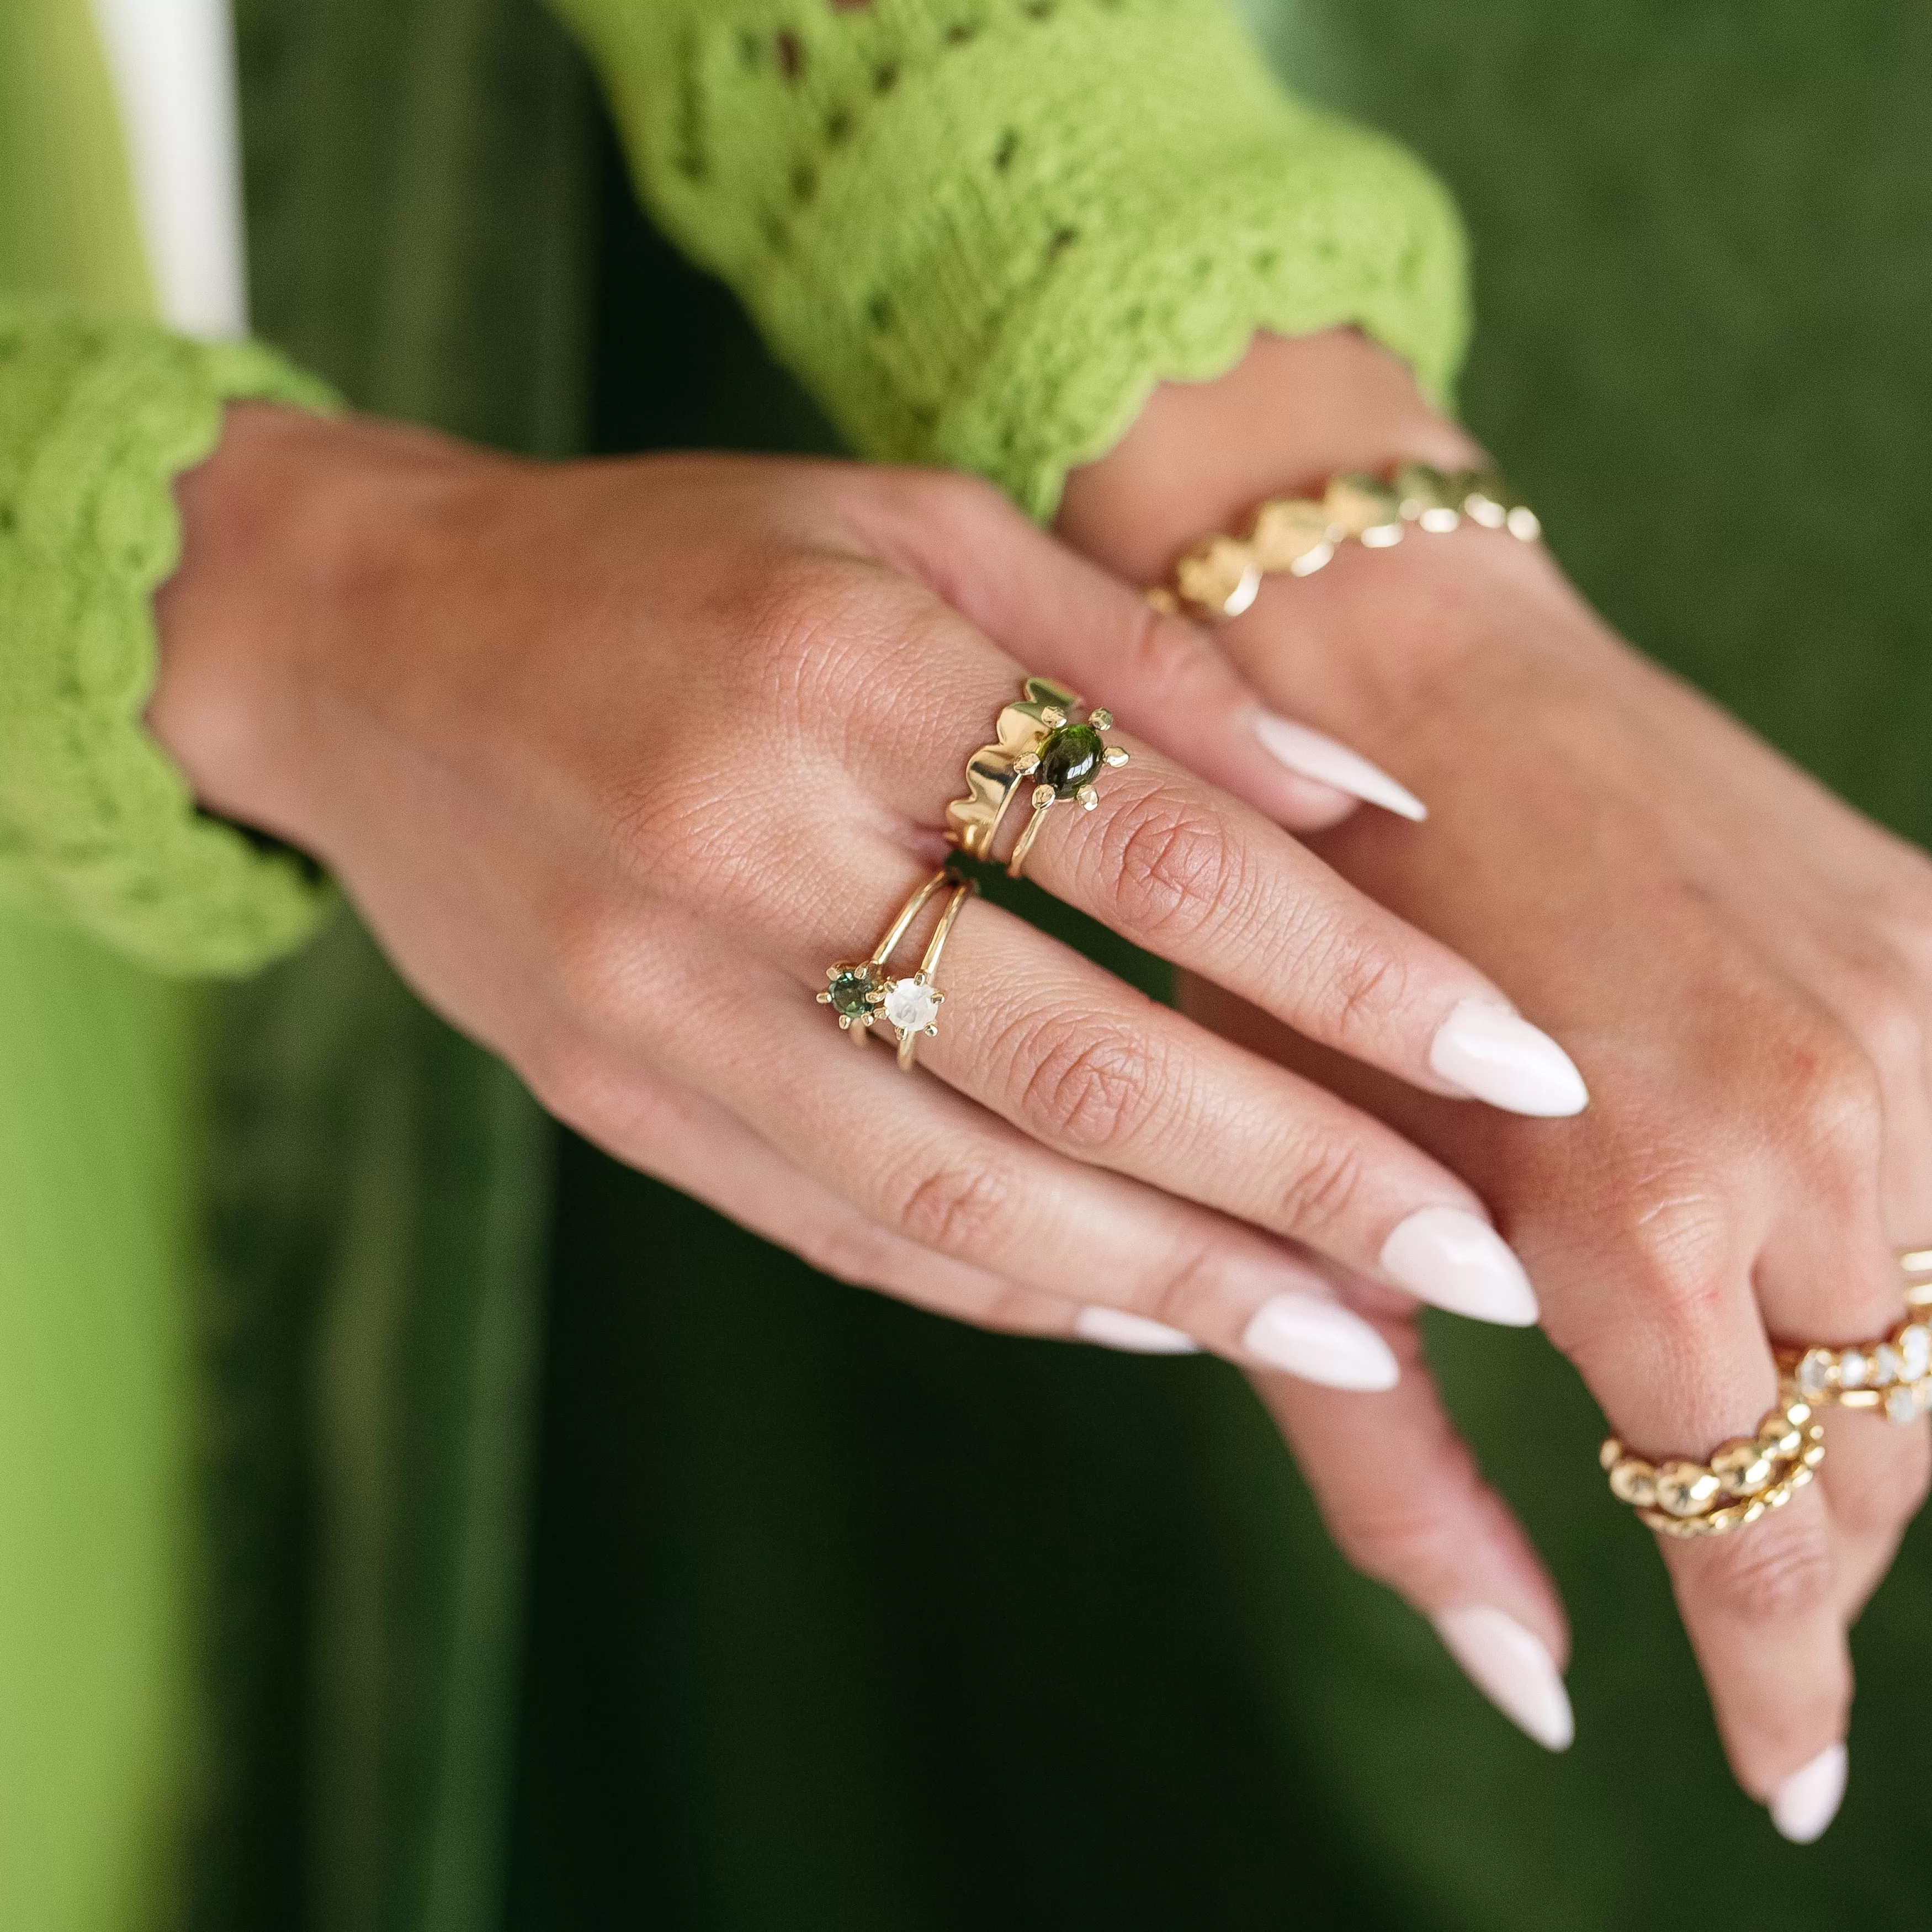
x: 861, y: 991
x: 909, y: 912
x: 928, y: 966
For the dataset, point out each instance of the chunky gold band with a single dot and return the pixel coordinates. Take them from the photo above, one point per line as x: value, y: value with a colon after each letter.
x: 1744, y: 1479
x: 1221, y: 575
x: 861, y: 991
x: 1038, y: 738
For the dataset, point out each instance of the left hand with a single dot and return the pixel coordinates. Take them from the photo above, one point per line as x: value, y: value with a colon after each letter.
x: 1742, y: 964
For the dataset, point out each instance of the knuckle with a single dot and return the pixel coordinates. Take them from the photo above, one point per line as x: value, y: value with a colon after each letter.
x: 1909, y: 910
x: 576, y: 1085
x: 1168, y: 653
x: 595, y: 960
x: 1323, y: 1183
x: 957, y: 1209
x: 1356, y: 985
x: 957, y: 495
x: 1837, y: 1101
x: 1888, y: 1018
x: 1183, y: 1288
x: 1399, y: 1538
x: 1175, y: 867
x: 1679, y: 1249
x: 1090, y: 1086
x: 850, y: 1250
x: 1779, y: 1572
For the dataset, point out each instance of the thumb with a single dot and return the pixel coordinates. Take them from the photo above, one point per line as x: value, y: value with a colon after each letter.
x: 1162, y: 676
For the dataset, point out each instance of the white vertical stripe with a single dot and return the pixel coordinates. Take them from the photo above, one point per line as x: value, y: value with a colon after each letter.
x: 173, y: 63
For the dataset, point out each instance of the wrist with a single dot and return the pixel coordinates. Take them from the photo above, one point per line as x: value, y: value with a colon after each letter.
x: 287, y: 529
x: 1292, y: 413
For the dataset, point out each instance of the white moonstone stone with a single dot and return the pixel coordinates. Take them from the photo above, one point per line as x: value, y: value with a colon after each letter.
x: 1901, y: 1403
x: 1853, y: 1368
x: 1885, y: 1365
x: 911, y: 1007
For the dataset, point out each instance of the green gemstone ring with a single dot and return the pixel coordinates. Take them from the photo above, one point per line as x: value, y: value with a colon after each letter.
x: 1064, y: 766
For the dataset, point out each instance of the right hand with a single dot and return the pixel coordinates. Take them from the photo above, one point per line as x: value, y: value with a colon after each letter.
x: 616, y: 757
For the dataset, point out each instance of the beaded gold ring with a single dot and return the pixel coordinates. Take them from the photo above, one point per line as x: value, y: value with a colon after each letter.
x: 1744, y: 1481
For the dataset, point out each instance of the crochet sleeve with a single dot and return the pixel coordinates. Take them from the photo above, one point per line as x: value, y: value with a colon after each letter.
x: 983, y: 230
x: 98, y: 828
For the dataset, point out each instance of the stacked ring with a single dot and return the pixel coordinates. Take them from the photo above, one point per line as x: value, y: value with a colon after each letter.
x: 860, y: 990
x: 1744, y: 1479
x: 1039, y: 738
x: 1895, y: 1375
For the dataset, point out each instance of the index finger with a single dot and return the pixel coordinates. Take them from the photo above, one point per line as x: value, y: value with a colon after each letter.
x: 1191, y: 874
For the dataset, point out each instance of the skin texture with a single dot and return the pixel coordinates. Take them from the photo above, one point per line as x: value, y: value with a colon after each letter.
x: 582, y: 741
x: 1740, y: 963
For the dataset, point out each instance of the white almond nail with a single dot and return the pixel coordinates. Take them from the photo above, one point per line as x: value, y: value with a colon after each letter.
x: 1115, y: 1328
x: 1808, y: 1800
x: 1313, y: 754
x: 1458, y: 1262
x: 1320, y: 1341
x: 1493, y: 1054
x: 1511, y: 1669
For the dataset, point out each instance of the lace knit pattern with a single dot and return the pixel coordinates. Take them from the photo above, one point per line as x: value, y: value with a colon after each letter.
x: 983, y: 230
x: 97, y: 828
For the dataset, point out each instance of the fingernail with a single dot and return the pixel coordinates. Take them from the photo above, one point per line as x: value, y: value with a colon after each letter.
x: 1115, y: 1328
x: 1458, y: 1262
x: 1320, y: 1341
x: 1511, y: 1669
x: 1313, y: 754
x: 1495, y: 1055
x: 1808, y: 1800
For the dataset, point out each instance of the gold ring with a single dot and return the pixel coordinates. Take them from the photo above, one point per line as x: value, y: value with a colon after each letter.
x: 1745, y: 1478
x: 911, y: 1006
x: 1037, y: 738
x: 859, y: 991
x: 1895, y: 1375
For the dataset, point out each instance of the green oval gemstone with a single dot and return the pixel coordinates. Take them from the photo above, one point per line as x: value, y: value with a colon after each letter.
x: 851, y: 993
x: 1070, y: 757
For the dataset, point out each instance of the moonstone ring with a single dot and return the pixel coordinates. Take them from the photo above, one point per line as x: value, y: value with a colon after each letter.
x: 861, y: 991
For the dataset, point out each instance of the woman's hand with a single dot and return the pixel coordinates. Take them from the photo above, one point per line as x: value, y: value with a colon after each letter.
x: 617, y: 758
x: 1744, y: 966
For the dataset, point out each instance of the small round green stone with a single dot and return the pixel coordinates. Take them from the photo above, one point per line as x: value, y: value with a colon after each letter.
x: 851, y: 993
x: 1073, y: 756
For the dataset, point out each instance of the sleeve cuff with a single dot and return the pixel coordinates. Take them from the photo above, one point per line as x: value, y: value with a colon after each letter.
x: 983, y: 235
x: 98, y: 830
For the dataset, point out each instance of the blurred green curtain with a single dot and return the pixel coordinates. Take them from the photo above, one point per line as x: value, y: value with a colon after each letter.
x: 98, y: 1142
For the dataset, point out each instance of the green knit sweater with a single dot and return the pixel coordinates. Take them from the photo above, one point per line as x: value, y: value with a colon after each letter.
x: 981, y: 230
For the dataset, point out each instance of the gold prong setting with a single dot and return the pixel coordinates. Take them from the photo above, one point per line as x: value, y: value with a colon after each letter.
x: 1066, y: 761
x: 863, y: 991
